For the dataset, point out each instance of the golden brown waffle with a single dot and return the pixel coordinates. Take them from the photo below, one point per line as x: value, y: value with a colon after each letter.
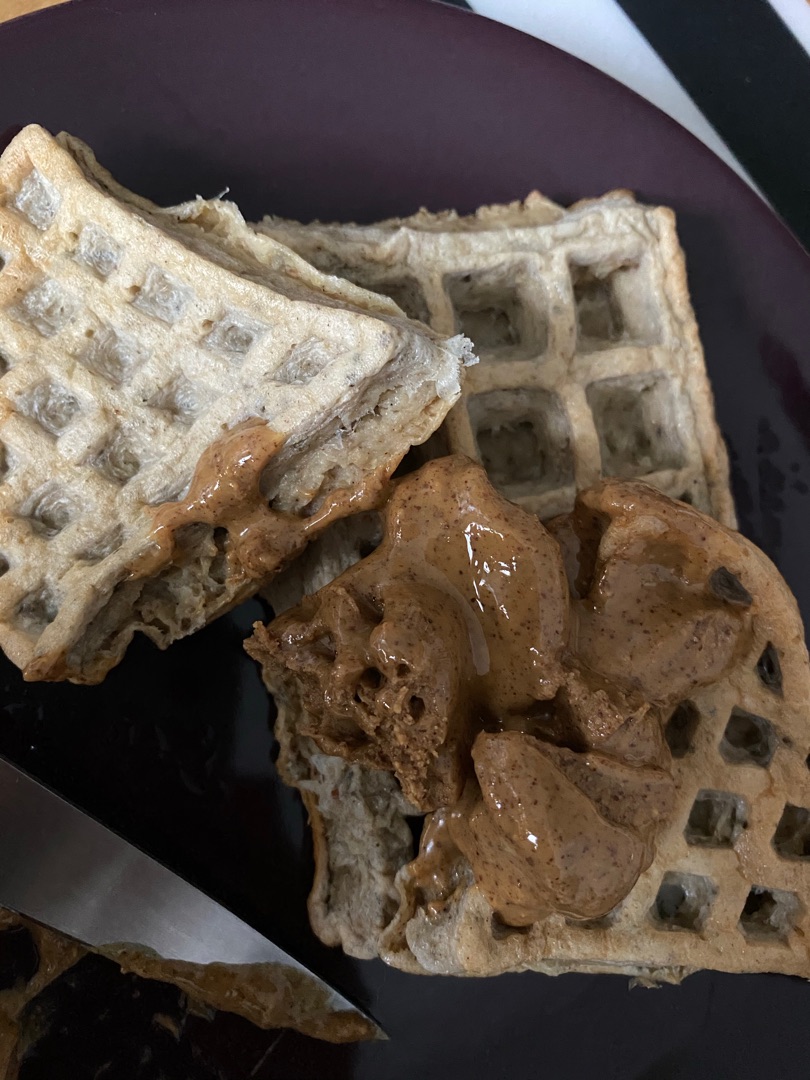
x: 131, y: 342
x: 591, y: 363
x: 729, y: 887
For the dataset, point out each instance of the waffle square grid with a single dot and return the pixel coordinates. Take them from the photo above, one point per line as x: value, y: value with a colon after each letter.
x: 591, y: 363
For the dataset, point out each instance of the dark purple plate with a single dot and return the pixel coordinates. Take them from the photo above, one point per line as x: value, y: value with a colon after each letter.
x: 357, y: 110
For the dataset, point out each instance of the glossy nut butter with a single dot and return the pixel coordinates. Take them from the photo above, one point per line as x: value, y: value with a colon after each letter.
x: 514, y: 678
x: 226, y: 492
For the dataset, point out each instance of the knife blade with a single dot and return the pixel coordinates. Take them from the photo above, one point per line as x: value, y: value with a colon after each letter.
x: 66, y: 870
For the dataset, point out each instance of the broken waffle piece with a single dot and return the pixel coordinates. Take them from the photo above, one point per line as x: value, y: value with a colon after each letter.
x: 618, y: 781
x: 38, y: 963
x: 591, y: 362
x: 165, y: 396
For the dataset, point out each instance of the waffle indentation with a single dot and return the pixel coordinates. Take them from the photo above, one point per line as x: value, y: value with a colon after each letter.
x: 47, y: 308
x: 5, y: 465
x: 769, y: 914
x: 681, y: 728
x: 163, y: 296
x: 792, y: 836
x: 304, y: 362
x: 37, y: 610
x: 524, y: 439
x: 728, y: 588
x: 636, y: 418
x: 38, y: 200
x: 769, y: 669
x: 599, y: 317
x: 489, y: 311
x: 117, y: 460
x: 49, y: 510
x: 407, y: 293
x: 99, y: 251
x: 112, y: 356
x: 716, y: 819
x: 235, y: 333
x: 748, y: 739
x: 104, y: 546
x: 613, y: 307
x: 179, y: 398
x: 52, y: 406
x: 683, y: 901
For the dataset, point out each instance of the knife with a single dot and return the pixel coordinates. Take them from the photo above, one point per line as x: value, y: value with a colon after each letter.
x: 64, y: 869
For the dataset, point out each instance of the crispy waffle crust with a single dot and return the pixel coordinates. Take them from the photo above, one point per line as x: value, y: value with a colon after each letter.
x: 728, y: 888
x: 132, y: 340
x: 591, y: 364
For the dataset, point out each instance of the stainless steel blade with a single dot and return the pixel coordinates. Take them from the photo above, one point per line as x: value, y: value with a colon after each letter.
x: 66, y: 870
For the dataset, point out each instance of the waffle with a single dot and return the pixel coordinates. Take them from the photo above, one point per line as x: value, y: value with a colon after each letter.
x: 132, y: 342
x: 526, y: 266
x: 36, y: 956
x: 591, y: 363
x: 358, y: 816
x: 729, y: 886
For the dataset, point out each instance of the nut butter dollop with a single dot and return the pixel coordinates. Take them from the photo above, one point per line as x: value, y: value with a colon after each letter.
x: 457, y: 622
x: 515, y: 678
x: 652, y: 617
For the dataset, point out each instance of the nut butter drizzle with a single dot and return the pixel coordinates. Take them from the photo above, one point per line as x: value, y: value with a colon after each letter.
x: 226, y: 492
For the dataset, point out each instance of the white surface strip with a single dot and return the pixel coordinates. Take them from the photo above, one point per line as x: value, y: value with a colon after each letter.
x: 599, y: 32
x: 795, y: 14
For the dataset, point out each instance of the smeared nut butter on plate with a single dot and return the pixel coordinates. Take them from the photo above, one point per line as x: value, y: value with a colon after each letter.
x: 514, y: 678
